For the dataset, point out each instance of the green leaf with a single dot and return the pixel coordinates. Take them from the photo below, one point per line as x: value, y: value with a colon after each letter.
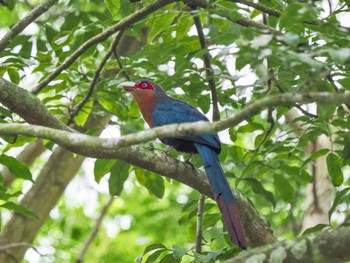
x: 84, y: 113
x: 102, y: 167
x: 19, y: 209
x: 314, y: 229
x: 17, y: 168
x: 251, y: 127
x: 204, y: 103
x: 290, y: 15
x: 155, y: 255
x: 119, y: 174
x: 340, y: 55
x: 153, y: 182
x: 259, y: 189
x: 315, y: 155
x: 160, y: 23
x: 14, y: 76
x: 233, y: 134
x: 153, y: 247
x: 326, y: 111
x: 178, y: 251
x: 283, y: 186
x: 170, y: 259
x: 339, y: 197
x: 334, y: 169
x: 113, y: 6
x: 5, y: 113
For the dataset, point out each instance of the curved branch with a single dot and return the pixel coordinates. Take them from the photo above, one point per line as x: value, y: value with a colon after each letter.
x: 28, y: 106
x: 88, y: 145
x: 23, y: 23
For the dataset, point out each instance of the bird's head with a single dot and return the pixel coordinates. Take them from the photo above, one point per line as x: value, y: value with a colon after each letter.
x: 144, y: 86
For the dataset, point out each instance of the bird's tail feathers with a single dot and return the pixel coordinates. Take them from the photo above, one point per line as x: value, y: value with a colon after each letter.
x: 223, y: 195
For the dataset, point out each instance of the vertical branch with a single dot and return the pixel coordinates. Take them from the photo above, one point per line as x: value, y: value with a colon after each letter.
x: 94, y: 231
x: 216, y: 116
x: 199, y: 231
x: 207, y: 64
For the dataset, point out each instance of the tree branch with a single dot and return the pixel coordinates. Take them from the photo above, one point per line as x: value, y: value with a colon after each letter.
x: 94, y: 231
x: 106, y: 147
x: 225, y: 12
x: 264, y: 9
x: 208, y: 69
x: 327, y: 246
x: 23, y: 23
x: 28, y: 106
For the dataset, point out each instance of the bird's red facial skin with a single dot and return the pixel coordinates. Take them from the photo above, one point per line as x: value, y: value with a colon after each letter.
x: 144, y: 85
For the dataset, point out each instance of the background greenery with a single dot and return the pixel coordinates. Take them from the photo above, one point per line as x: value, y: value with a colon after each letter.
x: 290, y: 163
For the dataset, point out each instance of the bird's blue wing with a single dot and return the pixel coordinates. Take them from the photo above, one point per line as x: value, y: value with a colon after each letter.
x: 174, y: 111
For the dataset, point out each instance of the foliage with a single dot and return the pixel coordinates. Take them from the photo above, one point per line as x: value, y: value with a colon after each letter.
x: 302, y: 48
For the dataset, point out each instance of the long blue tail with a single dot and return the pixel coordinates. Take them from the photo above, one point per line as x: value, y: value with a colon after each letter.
x: 223, y: 195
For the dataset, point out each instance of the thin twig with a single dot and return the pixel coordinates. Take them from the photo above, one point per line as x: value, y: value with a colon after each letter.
x: 199, y: 226
x: 24, y: 22
x: 95, y: 80
x: 334, y: 85
x: 94, y: 231
x: 208, y: 68
x: 264, y: 9
x: 270, y: 120
x: 296, y: 105
x: 120, y: 64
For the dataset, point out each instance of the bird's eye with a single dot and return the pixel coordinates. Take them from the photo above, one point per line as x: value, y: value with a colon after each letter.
x: 144, y: 85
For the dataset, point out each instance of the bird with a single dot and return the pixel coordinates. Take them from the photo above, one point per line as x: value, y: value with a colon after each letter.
x: 158, y: 109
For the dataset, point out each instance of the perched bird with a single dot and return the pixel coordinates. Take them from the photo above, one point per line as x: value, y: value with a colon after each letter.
x: 159, y: 109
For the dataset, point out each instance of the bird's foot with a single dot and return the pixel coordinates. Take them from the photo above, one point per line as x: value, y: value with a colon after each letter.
x: 188, y: 161
x: 167, y: 150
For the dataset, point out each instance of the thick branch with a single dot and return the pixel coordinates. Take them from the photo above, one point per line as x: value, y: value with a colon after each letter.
x: 105, y: 147
x: 21, y: 25
x: 28, y: 106
x: 327, y: 246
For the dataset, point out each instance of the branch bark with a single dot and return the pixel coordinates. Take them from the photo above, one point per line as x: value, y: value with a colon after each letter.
x: 107, y: 148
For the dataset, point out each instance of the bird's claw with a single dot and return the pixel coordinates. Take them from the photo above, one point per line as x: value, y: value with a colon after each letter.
x: 165, y: 153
